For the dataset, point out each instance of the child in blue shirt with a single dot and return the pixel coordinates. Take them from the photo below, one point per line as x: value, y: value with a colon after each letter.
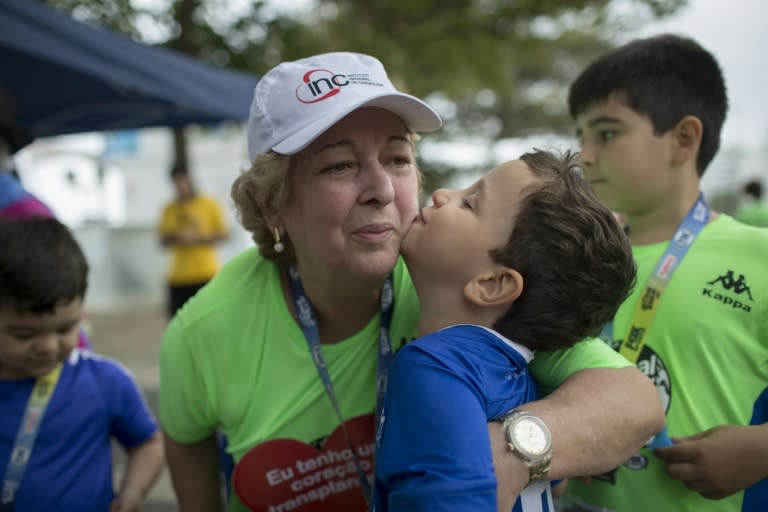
x: 525, y: 259
x: 60, y: 405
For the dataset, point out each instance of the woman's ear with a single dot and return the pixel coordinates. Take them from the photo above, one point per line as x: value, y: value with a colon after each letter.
x: 500, y: 286
x: 687, y: 137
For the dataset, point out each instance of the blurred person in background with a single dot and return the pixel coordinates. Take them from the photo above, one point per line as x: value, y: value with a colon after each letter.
x: 190, y: 228
x: 752, y: 210
x: 15, y: 200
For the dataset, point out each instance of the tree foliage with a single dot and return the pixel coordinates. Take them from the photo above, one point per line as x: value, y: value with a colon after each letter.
x: 498, y: 68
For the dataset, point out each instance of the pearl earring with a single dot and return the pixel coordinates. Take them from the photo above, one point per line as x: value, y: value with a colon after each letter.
x: 278, y: 247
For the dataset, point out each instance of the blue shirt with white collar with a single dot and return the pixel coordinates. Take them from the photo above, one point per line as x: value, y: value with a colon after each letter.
x: 433, y: 450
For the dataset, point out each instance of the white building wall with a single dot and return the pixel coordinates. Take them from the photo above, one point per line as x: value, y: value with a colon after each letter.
x: 115, y: 220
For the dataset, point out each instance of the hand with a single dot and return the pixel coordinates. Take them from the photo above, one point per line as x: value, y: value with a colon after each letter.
x: 127, y: 502
x: 718, y: 462
x: 189, y: 236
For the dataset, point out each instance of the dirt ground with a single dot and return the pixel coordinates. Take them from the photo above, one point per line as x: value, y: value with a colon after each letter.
x: 132, y: 336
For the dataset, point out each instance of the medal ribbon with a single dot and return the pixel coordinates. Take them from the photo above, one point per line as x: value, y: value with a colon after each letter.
x: 25, y: 438
x: 645, y: 310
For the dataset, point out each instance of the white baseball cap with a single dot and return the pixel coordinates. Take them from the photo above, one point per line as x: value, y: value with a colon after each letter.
x: 295, y: 102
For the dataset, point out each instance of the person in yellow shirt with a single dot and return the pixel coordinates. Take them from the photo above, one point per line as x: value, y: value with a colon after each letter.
x: 190, y: 227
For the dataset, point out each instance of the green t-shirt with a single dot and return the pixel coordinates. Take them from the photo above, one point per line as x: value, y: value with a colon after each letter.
x: 234, y: 358
x: 707, y: 354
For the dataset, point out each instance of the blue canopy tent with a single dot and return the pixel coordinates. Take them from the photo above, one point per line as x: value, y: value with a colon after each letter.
x: 66, y: 77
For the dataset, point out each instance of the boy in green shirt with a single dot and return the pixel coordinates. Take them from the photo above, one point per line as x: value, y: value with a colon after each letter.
x: 649, y: 116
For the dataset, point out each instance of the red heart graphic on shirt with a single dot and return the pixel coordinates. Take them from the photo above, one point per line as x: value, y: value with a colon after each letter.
x: 290, y: 475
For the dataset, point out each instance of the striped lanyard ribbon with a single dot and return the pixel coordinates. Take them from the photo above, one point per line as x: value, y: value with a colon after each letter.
x: 645, y: 310
x: 25, y: 438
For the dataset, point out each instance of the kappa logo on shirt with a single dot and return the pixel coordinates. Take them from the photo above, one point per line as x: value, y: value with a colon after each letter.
x: 735, y: 291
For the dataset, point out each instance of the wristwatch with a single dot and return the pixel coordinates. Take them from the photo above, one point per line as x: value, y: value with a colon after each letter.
x: 529, y: 438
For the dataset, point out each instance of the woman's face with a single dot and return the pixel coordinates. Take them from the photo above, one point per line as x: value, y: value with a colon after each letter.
x: 353, y: 196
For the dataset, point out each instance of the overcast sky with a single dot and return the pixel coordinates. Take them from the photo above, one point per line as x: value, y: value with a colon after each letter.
x: 735, y: 32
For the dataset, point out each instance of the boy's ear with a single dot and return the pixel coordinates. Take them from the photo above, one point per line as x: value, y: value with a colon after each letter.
x: 500, y: 286
x: 687, y: 137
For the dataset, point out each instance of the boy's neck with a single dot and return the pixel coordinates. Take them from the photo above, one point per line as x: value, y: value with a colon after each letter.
x: 439, y: 310
x: 660, y: 224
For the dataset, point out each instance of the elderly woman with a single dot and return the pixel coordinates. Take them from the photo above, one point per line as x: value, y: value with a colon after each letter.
x: 286, y: 349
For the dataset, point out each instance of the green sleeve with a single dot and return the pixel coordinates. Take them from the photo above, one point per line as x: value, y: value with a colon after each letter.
x: 551, y: 368
x: 186, y: 409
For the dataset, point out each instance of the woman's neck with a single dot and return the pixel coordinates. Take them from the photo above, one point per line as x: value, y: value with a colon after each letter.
x: 343, y: 304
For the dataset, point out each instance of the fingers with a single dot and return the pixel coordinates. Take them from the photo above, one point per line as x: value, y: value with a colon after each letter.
x: 695, y: 478
x: 675, y: 453
x: 685, y: 472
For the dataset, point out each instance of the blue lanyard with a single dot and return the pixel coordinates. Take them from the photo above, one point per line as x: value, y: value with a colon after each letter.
x: 646, y: 308
x: 306, y: 317
x: 26, y: 436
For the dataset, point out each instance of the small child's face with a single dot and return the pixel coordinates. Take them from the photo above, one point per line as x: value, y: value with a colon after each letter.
x: 450, y: 240
x: 630, y: 167
x: 31, y: 344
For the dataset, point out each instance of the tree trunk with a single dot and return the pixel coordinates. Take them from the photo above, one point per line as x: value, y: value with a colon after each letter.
x: 180, y: 156
x: 183, y: 11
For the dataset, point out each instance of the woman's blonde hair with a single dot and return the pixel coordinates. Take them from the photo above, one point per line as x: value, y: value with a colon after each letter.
x: 260, y: 195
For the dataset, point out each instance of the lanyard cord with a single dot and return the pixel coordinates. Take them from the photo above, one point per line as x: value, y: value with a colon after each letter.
x: 25, y: 438
x: 645, y: 310
x: 306, y: 316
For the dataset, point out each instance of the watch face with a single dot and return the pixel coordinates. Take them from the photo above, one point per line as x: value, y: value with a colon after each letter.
x: 530, y: 436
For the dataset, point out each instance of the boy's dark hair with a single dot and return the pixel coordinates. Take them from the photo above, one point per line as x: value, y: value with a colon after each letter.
x: 665, y: 78
x: 575, y: 260
x: 41, y: 265
x: 754, y: 189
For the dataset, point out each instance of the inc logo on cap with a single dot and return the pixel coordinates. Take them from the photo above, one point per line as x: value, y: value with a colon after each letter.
x: 319, y: 84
